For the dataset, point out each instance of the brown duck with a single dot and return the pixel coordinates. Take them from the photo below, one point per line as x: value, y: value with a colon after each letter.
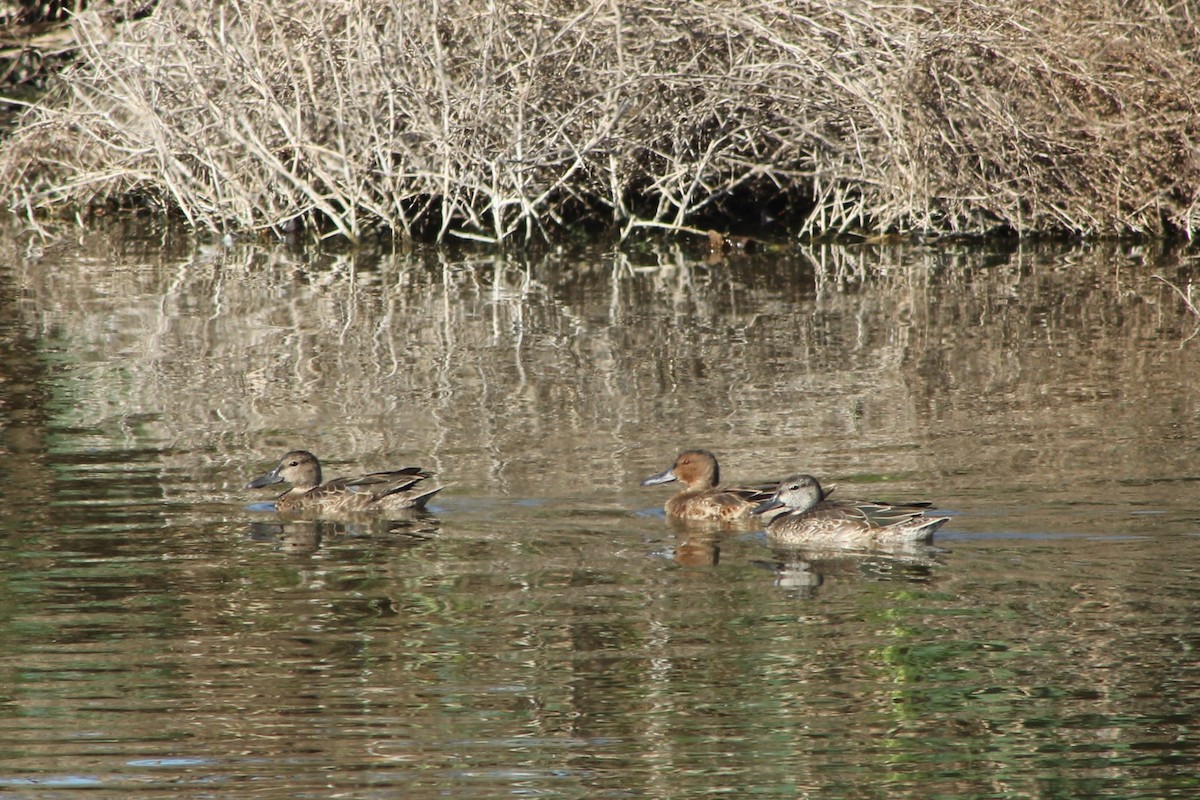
x: 702, y: 497
x: 809, y: 518
x: 395, y: 490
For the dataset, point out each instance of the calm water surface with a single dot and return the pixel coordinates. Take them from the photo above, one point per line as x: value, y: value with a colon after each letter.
x: 546, y: 632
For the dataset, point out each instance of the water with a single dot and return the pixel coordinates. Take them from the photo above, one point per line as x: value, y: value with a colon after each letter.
x: 546, y: 632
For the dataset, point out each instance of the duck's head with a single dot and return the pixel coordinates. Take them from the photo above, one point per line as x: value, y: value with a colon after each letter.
x: 300, y: 468
x: 795, y: 493
x: 696, y: 469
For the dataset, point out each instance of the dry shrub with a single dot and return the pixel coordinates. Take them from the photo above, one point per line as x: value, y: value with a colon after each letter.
x: 1076, y: 116
x: 511, y: 117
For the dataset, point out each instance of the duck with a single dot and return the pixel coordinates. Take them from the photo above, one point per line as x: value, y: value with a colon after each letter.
x: 809, y: 518
x: 702, y: 497
x: 394, y: 490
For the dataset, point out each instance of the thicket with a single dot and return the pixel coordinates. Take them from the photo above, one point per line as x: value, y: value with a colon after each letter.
x: 502, y: 118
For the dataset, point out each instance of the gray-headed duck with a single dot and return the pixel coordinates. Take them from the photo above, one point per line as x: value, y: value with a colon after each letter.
x: 809, y: 518
x: 702, y: 497
x: 391, y: 491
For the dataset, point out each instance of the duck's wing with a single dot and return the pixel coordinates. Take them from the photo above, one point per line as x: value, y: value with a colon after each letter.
x: 749, y: 494
x: 379, y: 484
x: 874, y: 515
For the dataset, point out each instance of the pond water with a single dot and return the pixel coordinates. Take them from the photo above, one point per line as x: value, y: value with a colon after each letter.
x: 546, y: 632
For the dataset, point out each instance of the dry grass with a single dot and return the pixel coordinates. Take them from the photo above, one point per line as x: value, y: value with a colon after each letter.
x: 514, y: 118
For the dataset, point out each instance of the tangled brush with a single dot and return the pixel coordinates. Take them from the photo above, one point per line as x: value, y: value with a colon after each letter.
x: 516, y: 118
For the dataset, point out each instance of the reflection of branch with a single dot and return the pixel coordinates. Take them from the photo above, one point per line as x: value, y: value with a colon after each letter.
x: 1186, y: 297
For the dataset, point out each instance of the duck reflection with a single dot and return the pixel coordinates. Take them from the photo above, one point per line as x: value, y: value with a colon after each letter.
x: 299, y: 536
x: 697, y: 543
x: 806, y: 570
x: 697, y: 548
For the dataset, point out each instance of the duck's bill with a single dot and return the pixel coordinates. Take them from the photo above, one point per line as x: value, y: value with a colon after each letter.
x: 767, y: 505
x: 662, y: 477
x: 265, y: 480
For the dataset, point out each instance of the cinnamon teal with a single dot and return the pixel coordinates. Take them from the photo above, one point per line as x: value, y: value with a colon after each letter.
x: 809, y: 518
x: 394, y: 490
x: 702, y: 497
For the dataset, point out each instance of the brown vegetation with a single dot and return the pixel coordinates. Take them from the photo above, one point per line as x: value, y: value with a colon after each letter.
x: 490, y: 120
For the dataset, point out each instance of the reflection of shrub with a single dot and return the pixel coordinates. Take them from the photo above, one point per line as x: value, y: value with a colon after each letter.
x: 515, y: 118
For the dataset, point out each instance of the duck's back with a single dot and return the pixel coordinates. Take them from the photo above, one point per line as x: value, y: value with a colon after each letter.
x: 393, y: 490
x: 716, y: 504
x: 849, y: 523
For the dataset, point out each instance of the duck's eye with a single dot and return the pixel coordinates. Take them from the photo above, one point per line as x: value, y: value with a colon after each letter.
x: 293, y: 463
